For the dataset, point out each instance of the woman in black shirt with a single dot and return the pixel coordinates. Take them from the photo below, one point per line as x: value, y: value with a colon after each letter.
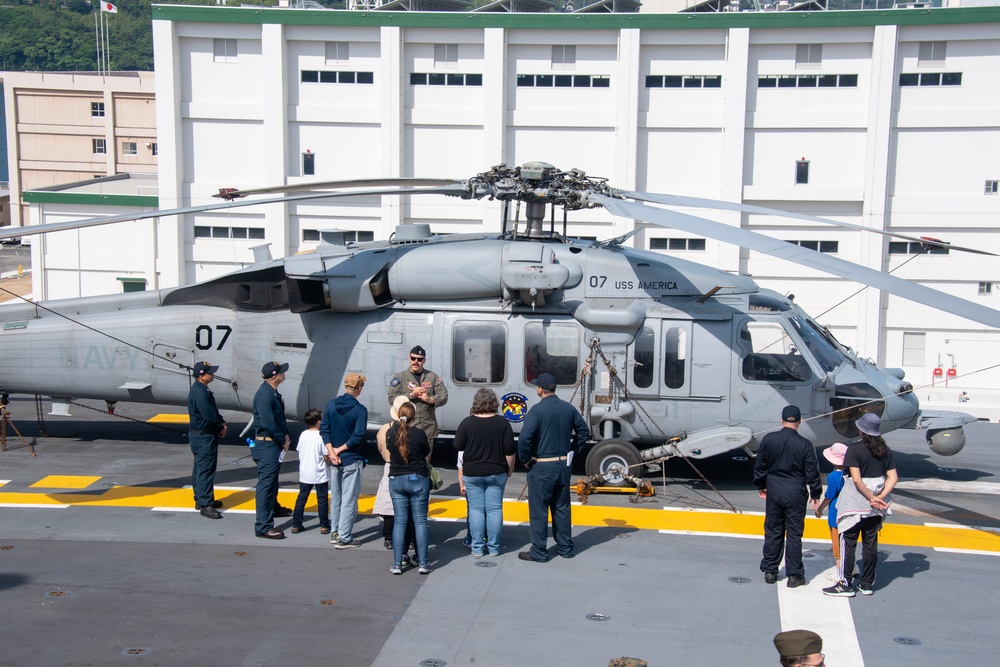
x: 409, y: 485
x: 863, y: 504
x: 485, y: 442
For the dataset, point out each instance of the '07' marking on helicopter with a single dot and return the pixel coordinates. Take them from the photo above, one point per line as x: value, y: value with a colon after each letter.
x: 203, y: 336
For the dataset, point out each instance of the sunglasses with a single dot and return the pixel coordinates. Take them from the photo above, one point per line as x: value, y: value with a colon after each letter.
x: 420, y: 359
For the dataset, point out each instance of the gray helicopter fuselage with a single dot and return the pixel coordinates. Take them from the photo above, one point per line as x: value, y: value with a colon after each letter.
x: 652, y: 348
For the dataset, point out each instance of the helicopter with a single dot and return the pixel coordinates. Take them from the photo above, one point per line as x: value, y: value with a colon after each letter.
x: 663, y: 356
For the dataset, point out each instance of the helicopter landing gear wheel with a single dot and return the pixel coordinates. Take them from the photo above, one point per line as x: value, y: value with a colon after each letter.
x: 614, y: 459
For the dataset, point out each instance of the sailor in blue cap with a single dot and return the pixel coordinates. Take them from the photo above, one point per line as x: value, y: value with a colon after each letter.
x: 786, y: 464
x: 270, y: 440
x: 206, y: 427
x: 552, y: 430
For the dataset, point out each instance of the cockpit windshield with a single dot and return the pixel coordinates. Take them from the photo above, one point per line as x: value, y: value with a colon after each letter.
x: 828, y: 357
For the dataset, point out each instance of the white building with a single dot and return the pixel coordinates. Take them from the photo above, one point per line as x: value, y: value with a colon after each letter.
x: 885, y: 119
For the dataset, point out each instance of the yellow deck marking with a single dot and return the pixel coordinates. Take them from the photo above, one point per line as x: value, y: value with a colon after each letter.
x: 64, y: 482
x: 168, y: 418
x: 702, y: 522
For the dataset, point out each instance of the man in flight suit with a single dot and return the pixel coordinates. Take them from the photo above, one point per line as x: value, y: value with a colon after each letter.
x: 551, y: 431
x: 271, y: 439
x: 207, y: 426
x: 785, y: 465
x: 424, y: 389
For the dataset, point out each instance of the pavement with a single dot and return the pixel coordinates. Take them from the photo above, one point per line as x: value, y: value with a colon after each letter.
x: 103, y: 559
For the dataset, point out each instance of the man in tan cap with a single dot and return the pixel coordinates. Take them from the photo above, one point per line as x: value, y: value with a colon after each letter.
x: 343, y: 430
x: 800, y: 648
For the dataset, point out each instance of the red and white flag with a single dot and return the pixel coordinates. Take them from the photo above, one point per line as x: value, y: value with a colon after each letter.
x: 109, y: 8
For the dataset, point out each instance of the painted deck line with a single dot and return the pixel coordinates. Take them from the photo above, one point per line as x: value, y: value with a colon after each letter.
x: 46, y: 506
x: 989, y: 488
x: 967, y: 551
x: 680, y: 522
x: 829, y: 617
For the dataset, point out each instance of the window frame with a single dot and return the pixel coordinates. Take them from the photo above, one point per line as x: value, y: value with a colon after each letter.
x: 497, y: 335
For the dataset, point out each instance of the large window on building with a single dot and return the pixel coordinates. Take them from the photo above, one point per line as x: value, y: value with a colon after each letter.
x: 563, y: 56
x: 931, y: 54
x: 913, y: 348
x: 446, y: 55
x: 130, y: 148
x: 337, y: 53
x: 100, y: 146
x: 479, y: 352
x: 224, y: 50
x: 552, y: 348
x: 808, y: 56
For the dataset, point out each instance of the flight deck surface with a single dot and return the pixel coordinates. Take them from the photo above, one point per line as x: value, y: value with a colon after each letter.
x: 104, y: 560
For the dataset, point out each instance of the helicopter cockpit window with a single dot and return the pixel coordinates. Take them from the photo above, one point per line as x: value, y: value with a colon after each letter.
x: 643, y: 369
x: 674, y: 357
x: 479, y: 352
x: 824, y: 352
x: 552, y: 348
x: 771, y: 354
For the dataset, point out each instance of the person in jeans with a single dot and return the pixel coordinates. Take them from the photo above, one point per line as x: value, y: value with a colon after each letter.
x: 409, y: 486
x: 485, y: 442
x: 313, y: 471
x: 343, y: 429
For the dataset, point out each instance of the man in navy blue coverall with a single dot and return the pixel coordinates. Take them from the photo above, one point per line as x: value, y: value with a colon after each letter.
x: 785, y: 465
x: 206, y: 427
x: 552, y: 429
x: 271, y: 439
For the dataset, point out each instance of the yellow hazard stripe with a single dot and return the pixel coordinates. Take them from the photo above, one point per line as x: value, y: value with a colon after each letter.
x: 169, y: 418
x: 701, y: 522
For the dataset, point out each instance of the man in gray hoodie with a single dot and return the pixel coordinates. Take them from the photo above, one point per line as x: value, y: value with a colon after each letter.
x: 343, y: 430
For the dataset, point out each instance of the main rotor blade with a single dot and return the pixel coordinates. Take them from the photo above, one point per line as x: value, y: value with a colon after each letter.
x: 678, y: 200
x: 234, y: 193
x: 799, y: 255
x: 14, y: 232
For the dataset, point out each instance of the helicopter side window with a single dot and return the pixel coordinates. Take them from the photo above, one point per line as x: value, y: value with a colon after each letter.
x: 772, y: 356
x: 479, y: 352
x: 552, y: 348
x: 674, y: 357
x: 643, y: 370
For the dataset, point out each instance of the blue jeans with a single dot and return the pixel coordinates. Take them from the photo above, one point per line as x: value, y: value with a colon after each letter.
x: 322, y: 501
x: 485, y: 496
x: 409, y: 493
x: 345, y: 485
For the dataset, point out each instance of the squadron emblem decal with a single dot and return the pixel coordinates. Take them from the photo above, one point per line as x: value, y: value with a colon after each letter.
x: 514, y: 407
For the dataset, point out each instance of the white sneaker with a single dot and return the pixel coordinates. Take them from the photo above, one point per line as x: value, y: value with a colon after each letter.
x: 395, y: 569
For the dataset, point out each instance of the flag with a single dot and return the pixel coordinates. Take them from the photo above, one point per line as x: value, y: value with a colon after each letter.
x: 109, y: 8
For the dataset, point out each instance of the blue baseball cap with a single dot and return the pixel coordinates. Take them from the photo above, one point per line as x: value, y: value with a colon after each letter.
x: 546, y: 381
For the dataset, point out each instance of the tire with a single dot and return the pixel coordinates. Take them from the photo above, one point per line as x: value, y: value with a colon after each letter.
x: 611, y: 454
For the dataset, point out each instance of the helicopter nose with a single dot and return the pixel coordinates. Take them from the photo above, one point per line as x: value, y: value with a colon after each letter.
x: 872, y: 389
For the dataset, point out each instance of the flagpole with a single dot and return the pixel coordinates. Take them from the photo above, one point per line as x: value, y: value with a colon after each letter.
x: 97, y: 38
x: 107, y: 48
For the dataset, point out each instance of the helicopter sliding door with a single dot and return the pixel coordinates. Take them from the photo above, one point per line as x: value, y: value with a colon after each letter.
x: 506, y: 356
